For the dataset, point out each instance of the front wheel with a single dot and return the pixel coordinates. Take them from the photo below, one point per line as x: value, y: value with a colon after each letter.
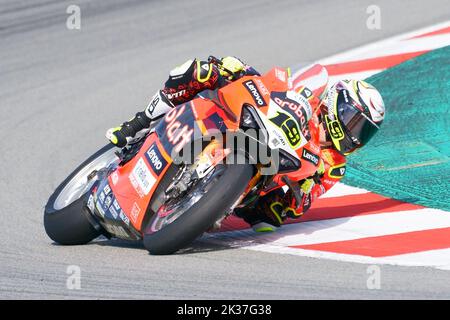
x: 177, y: 224
x: 65, y: 219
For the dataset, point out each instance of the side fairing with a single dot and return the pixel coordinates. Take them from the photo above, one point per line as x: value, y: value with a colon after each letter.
x: 134, y: 183
x: 111, y: 216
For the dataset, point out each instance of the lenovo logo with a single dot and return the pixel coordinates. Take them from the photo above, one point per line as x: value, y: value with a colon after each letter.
x: 156, y: 160
x: 308, y: 156
x: 257, y: 96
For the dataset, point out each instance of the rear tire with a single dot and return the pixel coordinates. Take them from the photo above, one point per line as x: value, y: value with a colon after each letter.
x: 203, y: 214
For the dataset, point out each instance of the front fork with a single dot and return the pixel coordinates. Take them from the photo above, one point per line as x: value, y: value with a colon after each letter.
x: 89, y: 208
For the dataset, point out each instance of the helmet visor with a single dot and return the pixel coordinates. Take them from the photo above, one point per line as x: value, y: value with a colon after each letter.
x: 358, y: 127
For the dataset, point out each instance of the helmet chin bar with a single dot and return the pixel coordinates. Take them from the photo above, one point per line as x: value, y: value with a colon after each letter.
x: 337, y: 134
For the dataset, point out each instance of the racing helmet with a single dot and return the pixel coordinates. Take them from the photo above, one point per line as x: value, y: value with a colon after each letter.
x: 354, y: 113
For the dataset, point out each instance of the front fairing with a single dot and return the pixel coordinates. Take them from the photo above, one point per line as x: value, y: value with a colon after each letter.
x: 103, y: 204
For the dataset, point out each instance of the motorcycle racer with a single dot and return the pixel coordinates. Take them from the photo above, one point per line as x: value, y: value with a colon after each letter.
x: 349, y: 114
x: 185, y: 81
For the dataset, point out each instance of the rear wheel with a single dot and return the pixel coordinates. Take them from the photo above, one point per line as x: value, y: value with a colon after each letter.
x: 65, y: 219
x: 180, y: 221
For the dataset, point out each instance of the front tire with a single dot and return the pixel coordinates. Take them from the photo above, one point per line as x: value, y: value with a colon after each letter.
x: 66, y: 220
x: 70, y: 226
x: 202, y: 215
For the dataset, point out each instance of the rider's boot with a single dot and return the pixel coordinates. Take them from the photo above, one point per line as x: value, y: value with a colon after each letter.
x: 135, y: 129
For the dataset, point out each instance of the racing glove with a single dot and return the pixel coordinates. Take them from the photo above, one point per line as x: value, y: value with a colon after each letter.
x: 232, y: 68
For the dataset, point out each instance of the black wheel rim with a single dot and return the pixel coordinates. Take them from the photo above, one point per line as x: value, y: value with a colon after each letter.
x: 174, y: 208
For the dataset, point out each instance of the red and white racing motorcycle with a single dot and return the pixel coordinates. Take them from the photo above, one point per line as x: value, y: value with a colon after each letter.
x: 144, y: 193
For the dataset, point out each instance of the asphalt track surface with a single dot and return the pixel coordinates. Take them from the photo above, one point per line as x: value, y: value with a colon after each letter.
x: 61, y: 89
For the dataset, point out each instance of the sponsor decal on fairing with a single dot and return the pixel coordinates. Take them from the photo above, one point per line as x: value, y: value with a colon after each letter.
x: 306, y: 93
x: 106, y: 189
x: 286, y: 122
x: 116, y: 205
x: 256, y: 94
x: 311, y: 157
x: 141, y: 178
x: 113, y: 212
x: 262, y: 87
x: 135, y: 210
x: 101, y: 197
x: 124, y: 218
x: 296, y: 104
x: 99, y: 208
x: 280, y: 74
x: 155, y: 159
x: 114, y: 178
x: 117, y: 231
x: 108, y: 201
x: 178, y: 134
